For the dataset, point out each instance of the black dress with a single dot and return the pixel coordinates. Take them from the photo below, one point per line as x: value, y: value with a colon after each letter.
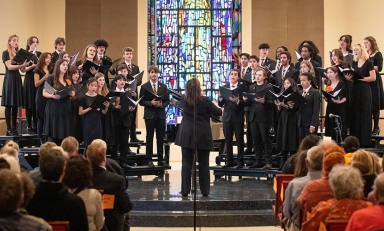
x: 29, y: 89
x: 287, y: 138
x: 361, y: 105
x: 40, y: 100
x: 58, y: 116
x: 377, y: 85
x: 336, y: 109
x: 12, y: 95
x: 92, y: 127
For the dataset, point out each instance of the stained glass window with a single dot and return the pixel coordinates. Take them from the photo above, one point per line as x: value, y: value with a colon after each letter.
x: 194, y: 39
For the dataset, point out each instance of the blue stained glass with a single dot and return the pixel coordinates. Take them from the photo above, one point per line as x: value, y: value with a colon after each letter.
x: 221, y: 4
x: 167, y: 55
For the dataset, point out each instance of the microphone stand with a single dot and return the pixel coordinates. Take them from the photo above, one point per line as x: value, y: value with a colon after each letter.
x: 338, y: 130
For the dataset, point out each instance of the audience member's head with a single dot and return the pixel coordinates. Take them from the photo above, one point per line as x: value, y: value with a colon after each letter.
x: 378, y: 188
x: 52, y: 165
x: 11, y: 162
x: 300, y: 168
x: 11, y: 151
x: 13, y: 144
x: 346, y: 182
x: 327, y: 143
x: 308, y: 142
x: 78, y: 172
x: 46, y: 147
x: 351, y: 144
x: 366, y: 162
x: 28, y: 188
x: 11, y: 192
x: 70, y: 145
x: 96, y: 152
x: 333, y: 155
x: 315, y: 158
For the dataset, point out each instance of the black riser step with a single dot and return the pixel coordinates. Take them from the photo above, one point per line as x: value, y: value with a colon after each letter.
x: 221, y: 218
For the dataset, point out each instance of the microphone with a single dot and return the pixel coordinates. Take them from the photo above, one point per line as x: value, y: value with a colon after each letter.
x: 333, y: 116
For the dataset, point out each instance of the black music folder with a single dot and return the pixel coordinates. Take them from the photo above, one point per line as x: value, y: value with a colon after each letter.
x: 276, y: 88
x: 138, y: 77
x: 22, y: 56
x: 282, y: 95
x: 88, y: 65
x: 329, y: 96
x: 175, y: 95
x: 249, y: 79
x: 98, y: 103
x: 74, y: 58
x: 131, y: 84
x: 355, y: 76
x: 63, y: 93
x: 265, y: 92
x: 112, y: 94
x: 149, y: 95
x: 297, y: 98
x: 226, y: 93
x: 321, y: 71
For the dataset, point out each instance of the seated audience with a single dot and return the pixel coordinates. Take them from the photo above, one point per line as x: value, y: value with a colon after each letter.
x: 301, y: 168
x: 307, y: 143
x: 36, y: 174
x: 370, y: 218
x: 291, y: 209
x: 368, y: 165
x: 347, y: 186
x: 111, y: 184
x: 70, y: 145
x: 11, y: 151
x: 78, y: 178
x: 11, y: 197
x: 9, y: 162
x: 319, y: 190
x: 351, y: 144
x: 52, y: 201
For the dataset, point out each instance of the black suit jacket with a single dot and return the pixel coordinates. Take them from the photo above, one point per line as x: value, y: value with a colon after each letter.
x: 113, y: 184
x: 105, y: 70
x: 184, y: 136
x: 54, y: 58
x: 309, y: 112
x: 267, y: 62
x: 247, y: 70
x: 260, y: 112
x: 232, y: 111
x: 290, y: 73
x: 149, y: 109
x: 135, y: 71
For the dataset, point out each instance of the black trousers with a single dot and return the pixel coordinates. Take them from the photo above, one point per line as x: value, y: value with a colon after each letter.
x: 121, y: 143
x: 133, y: 124
x: 186, y: 174
x: 151, y: 125
x: 249, y: 131
x: 260, y: 134
x: 234, y: 127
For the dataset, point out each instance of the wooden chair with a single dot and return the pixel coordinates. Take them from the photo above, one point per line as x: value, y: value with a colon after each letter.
x: 59, y: 225
x: 280, y: 191
x: 336, y: 225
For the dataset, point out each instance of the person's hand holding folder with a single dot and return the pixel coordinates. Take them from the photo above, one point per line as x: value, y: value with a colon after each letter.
x: 260, y: 100
x: 234, y: 99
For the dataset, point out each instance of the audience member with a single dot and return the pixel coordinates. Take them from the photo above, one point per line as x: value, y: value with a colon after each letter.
x: 351, y: 144
x: 70, y: 145
x: 11, y: 197
x: 11, y: 162
x: 78, y: 178
x: 319, y: 190
x: 370, y: 218
x: 301, y: 168
x: 291, y: 209
x: 368, y: 165
x: 307, y: 143
x: 59, y: 204
x: 11, y: 151
x: 111, y: 184
x: 347, y: 186
x: 36, y: 174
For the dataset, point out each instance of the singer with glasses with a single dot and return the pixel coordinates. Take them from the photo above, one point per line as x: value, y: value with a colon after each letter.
x: 335, y: 105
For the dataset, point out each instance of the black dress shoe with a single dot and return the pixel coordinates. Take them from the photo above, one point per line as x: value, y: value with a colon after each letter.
x: 150, y: 164
x: 15, y: 133
x: 376, y: 132
x: 160, y: 163
x: 31, y: 131
x: 248, y: 151
x: 10, y: 133
x: 267, y: 166
x: 184, y: 194
x: 240, y: 165
x: 228, y: 165
x: 256, y: 165
x: 136, y: 141
x: 129, y: 152
x: 126, y: 166
x: 205, y: 195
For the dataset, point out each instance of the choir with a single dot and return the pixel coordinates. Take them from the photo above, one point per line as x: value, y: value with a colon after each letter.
x: 60, y: 94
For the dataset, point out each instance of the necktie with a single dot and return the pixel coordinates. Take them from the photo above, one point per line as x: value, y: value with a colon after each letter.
x: 262, y: 62
x: 283, y: 75
x: 242, y: 73
x: 129, y: 69
x: 233, y: 86
x: 254, y: 76
x: 154, y: 89
x: 304, y: 93
x: 278, y: 66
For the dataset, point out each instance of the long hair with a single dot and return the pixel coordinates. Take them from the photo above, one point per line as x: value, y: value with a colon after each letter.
x: 348, y: 40
x: 293, y: 84
x: 335, y: 70
x: 193, y: 91
x: 364, y: 53
x: 309, y: 64
x: 56, y: 74
x: 9, y: 48
x: 41, y: 62
x: 30, y: 41
x: 104, y: 90
x: 61, y: 56
x: 339, y: 54
x: 372, y: 41
x: 95, y: 59
x: 315, y: 50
